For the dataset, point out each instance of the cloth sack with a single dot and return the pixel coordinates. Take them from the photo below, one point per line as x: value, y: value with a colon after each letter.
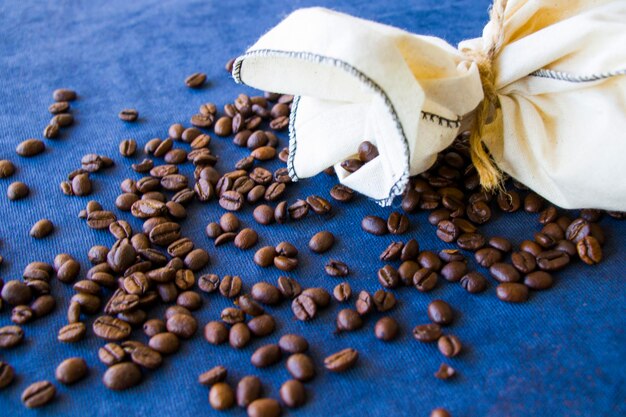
x: 559, y: 75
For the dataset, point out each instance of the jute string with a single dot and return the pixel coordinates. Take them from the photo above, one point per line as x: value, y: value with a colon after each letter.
x: 490, y: 175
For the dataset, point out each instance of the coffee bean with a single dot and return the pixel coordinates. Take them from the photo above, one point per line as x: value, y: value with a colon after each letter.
x: 298, y: 210
x: 487, y: 257
x: 388, y: 277
x: 145, y: 356
x: 374, y: 225
x: 215, y: 332
x: 425, y: 280
x: 301, y: 367
x: 128, y: 115
x: 21, y: 314
x: 249, y: 306
x: 264, y: 257
x: 342, y: 360
x: 449, y: 345
x: 64, y: 94
x: 454, y: 271
x: 232, y: 315
x: 444, y: 372
x: 153, y: 327
x: 523, y: 262
x: 304, y: 308
x: 51, y: 131
x: 348, y: 320
x: 503, y: 272
x: 265, y: 293
x: 289, y: 287
x: 440, y: 312
x: 59, y: 107
x: 336, y: 268
x: 221, y: 396
x: 122, y: 376
x: 230, y: 286
x: 213, y: 376
x: 538, y: 280
x: 479, y: 212
x: 430, y: 260
x: 195, y: 80
x: 264, y: 407
x: 321, y: 242
x: 384, y: 300
x: 6, y: 374
x: 397, y: 223
x: 110, y: 328
x: 239, y: 335
x: 17, y: 190
x: 248, y: 390
x: 246, y: 239
x: 293, y: 394
x: 342, y: 292
x: 7, y: 168
x: 589, y: 250
x: 43, y: 305
x: 441, y: 412
x: 71, y: 370
x: 320, y: 296
x: 223, y: 126
x: 471, y: 241
x: 15, y: 292
x: 208, y: 283
x: 262, y: 325
x: 196, y: 259
x: 577, y: 230
x: 10, y: 336
x: 341, y: 193
x: 263, y: 214
x: 265, y: 356
x: 72, y: 333
x: 364, y: 303
x: 427, y: 333
x: 318, y: 204
x: 111, y: 353
x: 231, y: 200
x: 386, y: 329
x: 41, y: 229
x: 552, y: 260
x: 512, y: 292
x: 62, y: 119
x: 293, y: 343
x: 38, y: 394
x: 182, y: 325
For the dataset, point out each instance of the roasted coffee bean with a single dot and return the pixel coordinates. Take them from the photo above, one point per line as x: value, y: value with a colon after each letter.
x: 7, y: 168
x: 503, y: 272
x: 264, y: 407
x: 71, y: 370
x: 440, y: 312
x: 6, y: 374
x: 230, y: 286
x: 111, y: 353
x: 292, y: 393
x: 246, y: 239
x: 342, y: 360
x: 262, y: 325
x: 447, y: 231
x: 43, y: 305
x: 263, y: 214
x: 72, y: 333
x: 145, y: 356
x: 348, y: 320
x: 430, y: 260
x: 321, y: 242
x: 51, y: 131
x: 487, y: 256
x: 301, y: 367
x: 215, y: 332
x: 341, y: 193
x: 59, y: 107
x: 364, y: 303
x: 320, y: 296
x: 304, y: 308
x: 90, y: 304
x: 153, y: 327
x: 30, y: 147
x: 264, y: 257
x: 318, y: 204
x: 248, y: 390
x: 388, y: 277
x: 531, y: 247
x: 500, y: 243
x: 509, y: 201
x: 589, y: 250
x: 11, y: 336
x: 444, y: 372
x: 289, y: 287
x: 425, y: 280
x: 367, y: 151
x: 195, y: 80
x: 122, y: 376
x: 174, y: 182
x: 471, y: 241
x: 17, y: 190
x: 208, y: 283
x: 523, y: 262
x: 264, y: 153
x: 552, y: 260
x: 538, y: 280
x: 265, y: 356
x: 213, y: 376
x: 397, y: 223
x: 248, y: 305
x: 190, y: 300
x: 392, y: 252
x: 231, y: 200
x: 479, y: 212
x: 449, y: 345
x: 38, y: 394
x: 577, y: 230
x: 232, y: 315
x: 410, y: 250
x: 512, y: 292
x: 427, y: 333
x: 221, y: 396
x: 293, y: 343
x: 110, y: 328
x: 239, y: 335
x: 352, y: 165
x: 454, y: 271
x: 342, y: 292
x: 62, y: 119
x: 386, y: 329
x: 384, y: 300
x: 196, y: 259
x: 374, y: 225
x: 15, y: 293
x: 182, y: 325
x: 265, y: 293
x: 63, y: 94
x: 298, y: 210
x: 213, y: 230
x: 223, y: 126
x: 145, y: 209
x: 336, y: 268
x: 21, y: 314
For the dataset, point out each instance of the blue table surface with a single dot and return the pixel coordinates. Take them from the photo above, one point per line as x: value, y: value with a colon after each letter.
x: 560, y: 354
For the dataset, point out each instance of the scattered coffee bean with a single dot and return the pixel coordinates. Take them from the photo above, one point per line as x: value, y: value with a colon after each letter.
x: 444, y: 372
x: 213, y: 376
x: 449, y: 345
x: 293, y: 394
x: 248, y: 390
x: 6, y: 374
x: 342, y: 360
x: 41, y: 229
x: 440, y: 312
x: 17, y: 190
x: 512, y: 292
x: 386, y: 329
x: 38, y: 394
x: 122, y: 376
x: 427, y: 333
x: 128, y: 115
x: 321, y: 242
x: 71, y: 370
x: 301, y: 367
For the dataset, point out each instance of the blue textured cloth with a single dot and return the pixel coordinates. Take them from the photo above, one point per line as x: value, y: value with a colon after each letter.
x: 561, y: 354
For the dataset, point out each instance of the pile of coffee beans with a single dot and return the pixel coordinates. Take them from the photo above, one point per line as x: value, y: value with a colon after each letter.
x: 158, y: 265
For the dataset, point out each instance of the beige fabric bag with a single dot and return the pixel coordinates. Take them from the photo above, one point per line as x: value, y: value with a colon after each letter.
x: 560, y: 77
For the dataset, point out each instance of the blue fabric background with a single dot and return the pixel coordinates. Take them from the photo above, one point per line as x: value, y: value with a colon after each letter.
x: 561, y: 354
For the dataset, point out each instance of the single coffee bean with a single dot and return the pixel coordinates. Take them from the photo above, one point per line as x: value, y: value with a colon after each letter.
x: 503, y: 272
x: 523, y: 261
x: 336, y: 268
x: 17, y: 190
x: 6, y: 374
x: 430, y: 260
x: 444, y: 372
x: 195, y: 80
x: 215, y: 332
x: 7, y: 168
x: 232, y: 315
x: 38, y: 394
x: 304, y: 308
x: 15, y: 293
x: 51, y: 131
x: 111, y: 353
x: 41, y: 229
x: 43, y: 305
x: 239, y: 335
x: 264, y: 257
x: 262, y: 325
x: 59, y: 107
x: 10, y: 336
x: 447, y: 231
x: 512, y: 292
x: 71, y: 370
x: 577, y: 230
x: 208, y: 283
x: 30, y: 147
x: 122, y: 376
x: 153, y: 327
x: 246, y: 239
x: 230, y: 286
x: 182, y: 325
x: 265, y: 356
x: 264, y: 407
x: 196, y: 259
x: 63, y: 94
x: 449, y: 345
x: 342, y: 360
x: 364, y: 303
x: 386, y: 329
x: 263, y: 214
x: 341, y: 193
x: 321, y: 242
x: 72, y: 333
x: 301, y: 367
x: 552, y: 260
x: 425, y: 280
x: 213, y: 376
x: 487, y: 256
x: 427, y: 333
x: 231, y: 200
x: 454, y: 271
x: 221, y: 396
x: 248, y: 390
x: 589, y: 250
x: 293, y: 394
x: 298, y: 210
x: 342, y: 292
x: 471, y: 241
x: 538, y: 280
x: 440, y: 312
x: 320, y: 296
x: 397, y: 223
x: 348, y: 320
x: 110, y: 328
x: 374, y: 225
x: 289, y: 287
x: 293, y: 343
x: 367, y: 151
x: 265, y: 293
x: 318, y: 204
